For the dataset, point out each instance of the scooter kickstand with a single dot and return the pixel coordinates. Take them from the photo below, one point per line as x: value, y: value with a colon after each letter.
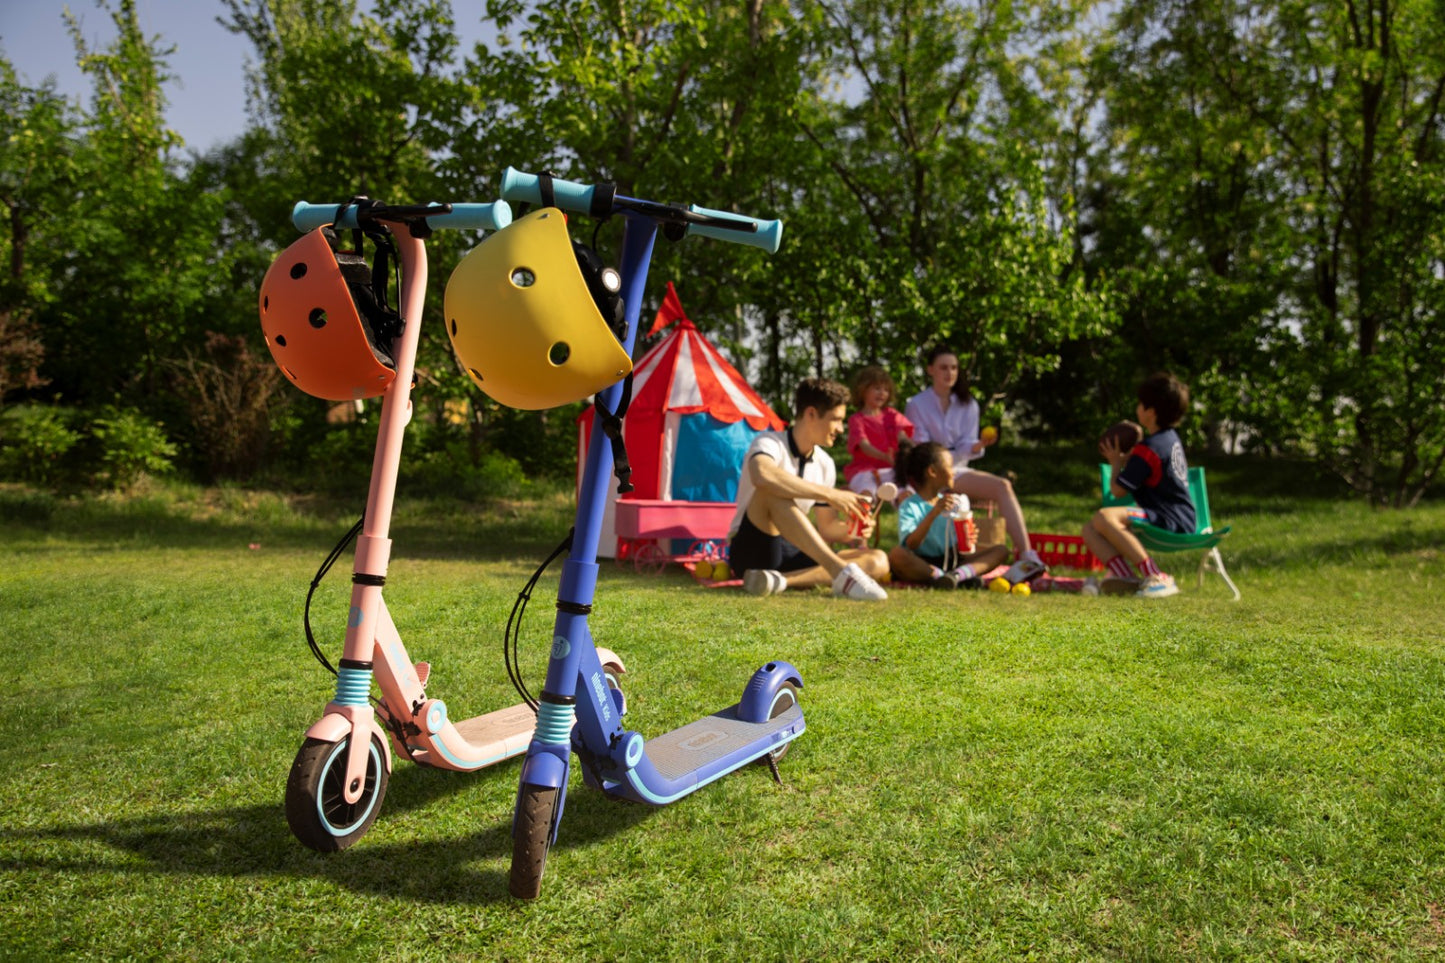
x: 773, y: 768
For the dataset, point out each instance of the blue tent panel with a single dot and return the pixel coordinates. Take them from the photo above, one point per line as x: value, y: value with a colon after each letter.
x: 709, y: 458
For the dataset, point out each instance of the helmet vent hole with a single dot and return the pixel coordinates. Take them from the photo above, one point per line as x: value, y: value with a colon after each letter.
x: 475, y: 373
x: 281, y: 340
x: 523, y: 278
x: 454, y: 327
x: 298, y: 270
x: 559, y: 354
x: 317, y: 318
x: 266, y: 303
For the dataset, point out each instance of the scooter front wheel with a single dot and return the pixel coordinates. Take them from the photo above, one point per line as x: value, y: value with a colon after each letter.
x: 316, y: 808
x: 531, y: 834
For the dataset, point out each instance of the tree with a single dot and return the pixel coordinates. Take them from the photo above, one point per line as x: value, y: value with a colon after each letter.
x: 37, y: 177
x: 918, y: 124
x: 130, y: 249
x: 1302, y: 143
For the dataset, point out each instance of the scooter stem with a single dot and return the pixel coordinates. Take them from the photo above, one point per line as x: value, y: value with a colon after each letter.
x: 579, y: 573
x: 373, y: 546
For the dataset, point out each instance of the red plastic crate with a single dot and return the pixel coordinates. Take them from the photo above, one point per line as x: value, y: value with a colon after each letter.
x: 1065, y: 551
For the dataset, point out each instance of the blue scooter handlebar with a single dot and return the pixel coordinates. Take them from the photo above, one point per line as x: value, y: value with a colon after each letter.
x: 462, y: 217
x: 720, y: 225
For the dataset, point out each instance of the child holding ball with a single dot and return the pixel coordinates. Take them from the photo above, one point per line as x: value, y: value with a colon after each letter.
x: 874, y: 431
x: 927, y: 549
x: 1156, y: 475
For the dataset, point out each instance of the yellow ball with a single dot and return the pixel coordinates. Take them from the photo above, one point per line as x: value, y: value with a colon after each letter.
x: 1022, y: 589
x: 999, y: 584
x: 720, y: 571
x: 989, y: 435
x: 703, y: 568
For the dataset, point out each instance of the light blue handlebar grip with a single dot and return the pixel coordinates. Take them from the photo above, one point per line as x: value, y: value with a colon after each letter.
x: 491, y: 216
x: 308, y: 217
x: 768, y: 234
x: 568, y: 195
x: 475, y: 217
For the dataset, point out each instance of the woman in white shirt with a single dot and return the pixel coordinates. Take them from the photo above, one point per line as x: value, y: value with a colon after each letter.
x: 947, y: 413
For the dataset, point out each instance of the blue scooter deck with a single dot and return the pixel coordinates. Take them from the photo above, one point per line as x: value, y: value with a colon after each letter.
x: 687, y: 749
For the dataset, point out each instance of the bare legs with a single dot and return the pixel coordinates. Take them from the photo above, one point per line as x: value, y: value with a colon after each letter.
x: 981, y: 486
x: 909, y: 566
x: 781, y: 516
x: 1107, y: 534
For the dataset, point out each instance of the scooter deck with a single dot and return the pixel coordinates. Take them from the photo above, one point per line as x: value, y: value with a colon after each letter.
x: 685, y: 750
x: 514, y: 721
x: 491, y: 737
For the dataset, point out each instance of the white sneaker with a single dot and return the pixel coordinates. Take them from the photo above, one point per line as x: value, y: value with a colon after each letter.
x: 764, y: 581
x: 1157, y: 587
x: 854, y: 583
x: 1025, y: 569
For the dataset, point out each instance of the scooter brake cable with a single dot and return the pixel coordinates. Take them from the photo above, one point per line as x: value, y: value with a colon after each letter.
x: 316, y: 581
x: 510, y: 638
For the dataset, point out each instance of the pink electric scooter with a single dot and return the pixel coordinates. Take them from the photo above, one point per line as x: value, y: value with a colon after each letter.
x: 340, y: 774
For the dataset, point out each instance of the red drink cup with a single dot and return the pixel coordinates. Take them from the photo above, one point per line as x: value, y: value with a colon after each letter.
x: 967, y: 533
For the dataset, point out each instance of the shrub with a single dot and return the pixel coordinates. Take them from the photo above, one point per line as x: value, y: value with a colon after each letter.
x: 229, y: 389
x: 35, y: 442
x: 130, y: 445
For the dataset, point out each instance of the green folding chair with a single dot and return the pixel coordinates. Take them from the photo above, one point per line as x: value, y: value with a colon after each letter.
x: 1157, y: 540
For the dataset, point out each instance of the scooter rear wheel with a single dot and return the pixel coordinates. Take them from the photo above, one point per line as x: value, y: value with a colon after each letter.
x: 786, y: 698
x: 316, y: 809
x: 531, y: 834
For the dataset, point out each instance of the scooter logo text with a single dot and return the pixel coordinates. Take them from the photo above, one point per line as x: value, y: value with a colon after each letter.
x: 602, y: 699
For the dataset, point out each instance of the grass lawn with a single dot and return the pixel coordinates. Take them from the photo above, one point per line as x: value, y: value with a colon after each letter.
x: 983, y: 776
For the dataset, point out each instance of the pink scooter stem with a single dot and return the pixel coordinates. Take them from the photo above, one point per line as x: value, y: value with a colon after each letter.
x: 373, y: 546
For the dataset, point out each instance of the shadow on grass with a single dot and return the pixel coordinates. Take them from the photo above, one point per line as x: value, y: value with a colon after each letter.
x: 254, y: 841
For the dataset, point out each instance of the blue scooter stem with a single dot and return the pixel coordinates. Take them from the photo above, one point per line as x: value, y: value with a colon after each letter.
x: 579, y: 573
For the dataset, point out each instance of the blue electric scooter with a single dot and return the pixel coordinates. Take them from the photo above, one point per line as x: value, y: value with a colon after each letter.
x: 618, y: 761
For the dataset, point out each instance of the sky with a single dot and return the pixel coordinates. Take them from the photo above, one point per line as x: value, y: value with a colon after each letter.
x: 207, y: 100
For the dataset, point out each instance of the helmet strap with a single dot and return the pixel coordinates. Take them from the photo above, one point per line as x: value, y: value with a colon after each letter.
x: 612, y: 428
x: 384, y: 324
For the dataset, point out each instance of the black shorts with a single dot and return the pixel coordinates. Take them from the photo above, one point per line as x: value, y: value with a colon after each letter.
x: 752, y: 548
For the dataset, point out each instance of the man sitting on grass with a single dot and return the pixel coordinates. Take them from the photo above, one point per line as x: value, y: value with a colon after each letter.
x: 772, y: 540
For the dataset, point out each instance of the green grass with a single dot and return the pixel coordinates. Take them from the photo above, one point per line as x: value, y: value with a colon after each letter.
x: 983, y: 777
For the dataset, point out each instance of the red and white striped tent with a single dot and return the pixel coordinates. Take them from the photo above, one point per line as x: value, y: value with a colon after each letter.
x: 690, y: 422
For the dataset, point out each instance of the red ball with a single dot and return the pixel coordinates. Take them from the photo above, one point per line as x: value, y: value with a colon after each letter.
x: 1126, y: 435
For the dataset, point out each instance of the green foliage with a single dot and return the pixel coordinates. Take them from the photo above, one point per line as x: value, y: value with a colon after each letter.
x: 1073, y: 194
x: 1282, y: 168
x: 57, y: 447
x: 956, y: 234
x: 131, y: 445
x: 35, y: 441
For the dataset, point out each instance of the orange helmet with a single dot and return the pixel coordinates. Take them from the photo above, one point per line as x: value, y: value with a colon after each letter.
x: 326, y: 321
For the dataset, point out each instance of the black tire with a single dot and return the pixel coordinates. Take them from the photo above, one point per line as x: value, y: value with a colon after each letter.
x: 316, y: 810
x: 786, y: 698
x: 531, y: 835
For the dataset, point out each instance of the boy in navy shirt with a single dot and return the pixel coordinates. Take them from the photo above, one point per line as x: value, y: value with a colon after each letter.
x: 1156, y: 476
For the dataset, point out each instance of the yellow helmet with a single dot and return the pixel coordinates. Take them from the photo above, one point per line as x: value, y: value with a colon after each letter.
x: 534, y: 317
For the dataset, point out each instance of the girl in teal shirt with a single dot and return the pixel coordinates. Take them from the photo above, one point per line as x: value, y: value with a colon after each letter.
x: 927, y: 549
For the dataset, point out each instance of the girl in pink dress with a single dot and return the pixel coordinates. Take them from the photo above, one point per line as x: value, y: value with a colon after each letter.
x: 873, y: 431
